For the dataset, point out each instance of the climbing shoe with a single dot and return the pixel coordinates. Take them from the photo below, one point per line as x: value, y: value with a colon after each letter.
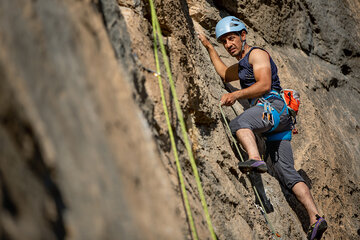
x: 317, y: 229
x: 253, y: 165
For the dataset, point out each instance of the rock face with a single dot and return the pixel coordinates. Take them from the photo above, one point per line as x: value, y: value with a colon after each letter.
x: 85, y: 152
x: 77, y: 157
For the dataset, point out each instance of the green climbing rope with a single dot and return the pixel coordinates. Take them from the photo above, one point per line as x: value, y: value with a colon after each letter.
x: 172, y: 139
x: 157, y: 33
x: 276, y: 235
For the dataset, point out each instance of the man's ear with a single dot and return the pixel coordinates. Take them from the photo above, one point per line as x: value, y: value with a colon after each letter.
x: 243, y: 35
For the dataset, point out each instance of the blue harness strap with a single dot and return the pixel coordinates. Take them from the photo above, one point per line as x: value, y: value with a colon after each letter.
x: 270, y: 114
x: 286, y: 135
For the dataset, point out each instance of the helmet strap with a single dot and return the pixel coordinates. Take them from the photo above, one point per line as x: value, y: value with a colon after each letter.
x: 243, y: 42
x: 242, y: 45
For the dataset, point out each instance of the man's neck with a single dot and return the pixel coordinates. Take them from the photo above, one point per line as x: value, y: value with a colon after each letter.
x: 244, y: 52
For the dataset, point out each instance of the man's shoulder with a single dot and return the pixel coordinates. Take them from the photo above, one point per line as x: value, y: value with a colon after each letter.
x: 258, y: 50
x: 258, y: 54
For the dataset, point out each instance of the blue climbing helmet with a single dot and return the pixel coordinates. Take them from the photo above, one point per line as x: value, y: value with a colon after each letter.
x: 229, y: 24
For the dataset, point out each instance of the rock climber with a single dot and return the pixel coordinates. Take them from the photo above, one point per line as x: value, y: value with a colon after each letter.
x: 260, y: 84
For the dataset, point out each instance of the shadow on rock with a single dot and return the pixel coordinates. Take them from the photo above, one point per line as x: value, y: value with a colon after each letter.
x: 257, y: 182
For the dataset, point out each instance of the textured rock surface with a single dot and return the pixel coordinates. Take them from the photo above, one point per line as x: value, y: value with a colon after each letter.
x: 77, y: 160
x: 85, y: 152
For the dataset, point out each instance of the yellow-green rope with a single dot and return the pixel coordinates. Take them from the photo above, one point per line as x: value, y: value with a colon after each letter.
x: 276, y: 235
x: 172, y: 139
x: 157, y: 30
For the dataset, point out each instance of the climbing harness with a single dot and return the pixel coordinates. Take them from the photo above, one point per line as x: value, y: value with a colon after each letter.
x: 272, y: 116
x: 158, y: 36
x: 263, y: 211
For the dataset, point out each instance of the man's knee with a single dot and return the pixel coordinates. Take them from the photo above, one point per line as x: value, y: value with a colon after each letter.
x: 301, y: 188
x: 244, y: 131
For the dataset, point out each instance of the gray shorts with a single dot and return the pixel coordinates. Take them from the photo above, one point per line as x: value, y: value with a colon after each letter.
x: 280, y: 152
x: 251, y: 118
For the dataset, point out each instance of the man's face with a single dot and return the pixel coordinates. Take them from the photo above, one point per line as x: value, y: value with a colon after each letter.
x: 232, y: 43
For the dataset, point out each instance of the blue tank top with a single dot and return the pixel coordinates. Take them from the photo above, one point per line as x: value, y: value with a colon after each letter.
x: 246, y: 73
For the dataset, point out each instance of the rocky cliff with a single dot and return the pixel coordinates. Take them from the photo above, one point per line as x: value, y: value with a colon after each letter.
x: 85, y: 152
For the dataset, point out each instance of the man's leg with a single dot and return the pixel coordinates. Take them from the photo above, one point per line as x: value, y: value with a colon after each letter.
x: 281, y: 156
x: 318, y: 225
x: 248, y: 141
x: 302, y: 193
x: 244, y: 126
x: 254, y: 163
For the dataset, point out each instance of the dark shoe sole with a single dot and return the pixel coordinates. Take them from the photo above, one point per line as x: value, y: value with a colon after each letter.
x: 321, y: 229
x: 245, y: 169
